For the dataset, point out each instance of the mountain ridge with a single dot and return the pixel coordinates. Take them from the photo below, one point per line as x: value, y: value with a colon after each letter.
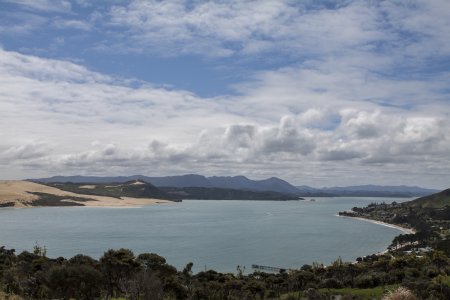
x: 189, y: 180
x: 240, y: 182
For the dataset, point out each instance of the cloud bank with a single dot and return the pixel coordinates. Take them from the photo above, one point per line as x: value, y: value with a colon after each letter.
x: 362, y: 95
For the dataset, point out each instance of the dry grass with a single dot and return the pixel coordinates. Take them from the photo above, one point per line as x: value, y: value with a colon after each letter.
x: 4, y: 296
x: 400, y: 294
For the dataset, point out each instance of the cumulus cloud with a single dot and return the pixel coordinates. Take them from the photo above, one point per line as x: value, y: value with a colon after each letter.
x: 352, y: 96
x: 224, y: 28
x: 218, y: 28
x: 29, y: 150
x: 96, y: 123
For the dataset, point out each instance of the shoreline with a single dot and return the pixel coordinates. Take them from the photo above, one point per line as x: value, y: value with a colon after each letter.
x: 124, y: 202
x: 403, y: 229
x: 21, y: 194
x: 95, y: 204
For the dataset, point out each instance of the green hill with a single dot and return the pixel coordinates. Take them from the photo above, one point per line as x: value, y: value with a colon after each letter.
x: 201, y: 193
x: 438, y: 200
x: 135, y: 189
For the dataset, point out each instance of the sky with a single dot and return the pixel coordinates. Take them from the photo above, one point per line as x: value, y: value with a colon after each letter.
x: 319, y: 93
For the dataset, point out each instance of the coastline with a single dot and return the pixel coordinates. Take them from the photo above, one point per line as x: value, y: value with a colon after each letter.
x: 403, y: 229
x: 119, y: 203
x: 124, y: 202
x: 20, y: 194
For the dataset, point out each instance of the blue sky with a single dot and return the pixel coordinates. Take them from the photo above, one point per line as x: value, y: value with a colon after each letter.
x: 315, y: 92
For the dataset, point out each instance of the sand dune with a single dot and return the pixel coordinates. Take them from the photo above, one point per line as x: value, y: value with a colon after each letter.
x: 18, y: 192
x: 89, y: 187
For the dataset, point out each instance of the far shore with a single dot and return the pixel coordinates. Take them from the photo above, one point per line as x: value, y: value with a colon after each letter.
x: 116, y: 203
x: 20, y: 194
x: 125, y: 202
x: 403, y: 229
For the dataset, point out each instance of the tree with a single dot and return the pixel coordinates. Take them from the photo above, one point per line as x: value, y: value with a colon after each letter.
x: 117, y: 267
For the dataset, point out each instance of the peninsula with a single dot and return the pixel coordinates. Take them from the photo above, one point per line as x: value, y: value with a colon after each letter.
x: 30, y: 194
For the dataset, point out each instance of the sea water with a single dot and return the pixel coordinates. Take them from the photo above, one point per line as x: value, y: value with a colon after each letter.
x: 212, y: 234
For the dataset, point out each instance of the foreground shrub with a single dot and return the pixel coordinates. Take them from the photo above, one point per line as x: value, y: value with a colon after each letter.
x: 400, y: 294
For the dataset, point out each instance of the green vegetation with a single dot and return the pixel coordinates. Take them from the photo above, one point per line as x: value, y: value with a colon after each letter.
x: 363, y: 294
x: 202, y: 193
x: 430, y: 220
x: 119, y: 273
x: 55, y: 200
x: 141, y: 189
x: 438, y: 200
x: 134, y: 189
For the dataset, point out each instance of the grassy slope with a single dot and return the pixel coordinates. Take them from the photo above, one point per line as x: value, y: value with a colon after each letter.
x: 438, y: 200
x: 373, y: 293
x: 116, y: 190
x: 55, y: 200
x: 9, y: 296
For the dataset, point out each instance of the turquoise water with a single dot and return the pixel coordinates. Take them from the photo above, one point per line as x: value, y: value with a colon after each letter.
x: 212, y: 234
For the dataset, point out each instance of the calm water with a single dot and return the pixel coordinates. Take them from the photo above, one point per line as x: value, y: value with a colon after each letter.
x: 212, y: 234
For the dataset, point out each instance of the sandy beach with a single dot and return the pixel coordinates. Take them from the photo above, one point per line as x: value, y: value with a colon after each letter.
x: 403, y: 229
x: 19, y: 193
x: 125, y: 202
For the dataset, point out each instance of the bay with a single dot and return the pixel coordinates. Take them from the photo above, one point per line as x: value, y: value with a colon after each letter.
x: 217, y: 235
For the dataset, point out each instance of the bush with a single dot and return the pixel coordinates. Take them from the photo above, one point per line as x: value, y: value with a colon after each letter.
x: 400, y: 294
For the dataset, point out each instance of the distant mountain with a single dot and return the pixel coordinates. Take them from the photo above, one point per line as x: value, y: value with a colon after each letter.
x: 179, y: 181
x: 87, y: 179
x: 305, y: 188
x: 400, y: 189
x: 272, y: 184
x: 243, y: 183
x: 191, y: 180
x: 437, y: 200
x: 214, y: 193
x: 370, y: 191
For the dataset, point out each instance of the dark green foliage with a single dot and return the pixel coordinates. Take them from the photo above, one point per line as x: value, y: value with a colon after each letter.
x: 141, y: 189
x: 117, y: 267
x: 134, y: 189
x: 118, y: 273
x: 55, y: 200
x: 431, y: 223
x: 74, y: 281
x: 438, y: 200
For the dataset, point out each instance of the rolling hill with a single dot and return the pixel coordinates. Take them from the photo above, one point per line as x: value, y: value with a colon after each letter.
x: 272, y: 184
x: 190, y: 180
x: 25, y: 194
x: 437, y: 200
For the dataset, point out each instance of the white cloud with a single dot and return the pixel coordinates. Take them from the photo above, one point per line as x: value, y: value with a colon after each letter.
x: 351, y: 101
x: 29, y: 150
x: 72, y: 24
x: 224, y: 28
x: 300, y: 29
x: 271, y: 129
x: 44, y: 5
x: 20, y: 23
